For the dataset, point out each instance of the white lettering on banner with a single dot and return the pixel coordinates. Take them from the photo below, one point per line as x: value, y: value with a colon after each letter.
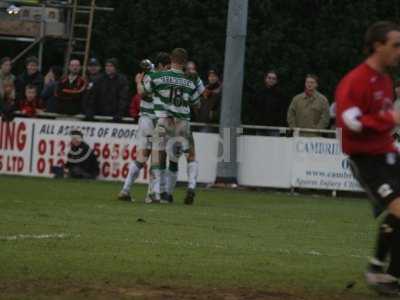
x: 113, y: 145
x: 318, y: 163
x: 33, y: 146
x: 15, y: 147
x: 310, y: 146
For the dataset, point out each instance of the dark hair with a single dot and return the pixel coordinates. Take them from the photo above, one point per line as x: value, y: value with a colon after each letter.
x: 162, y: 58
x: 31, y: 87
x: 313, y: 76
x: 214, y: 71
x: 5, y: 59
x: 179, y: 56
x: 377, y: 33
x: 31, y: 59
x: 76, y: 132
x: 113, y: 61
x: 57, y: 71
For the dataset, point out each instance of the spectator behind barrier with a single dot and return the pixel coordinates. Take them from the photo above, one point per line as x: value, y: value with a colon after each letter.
x: 51, y: 81
x: 31, y: 104
x: 269, y: 106
x: 92, y: 75
x: 31, y: 76
x: 70, y: 90
x: 211, y: 101
x: 110, y: 95
x: 93, y: 71
x: 7, y: 100
x: 5, y: 73
x: 309, y: 109
x: 82, y: 163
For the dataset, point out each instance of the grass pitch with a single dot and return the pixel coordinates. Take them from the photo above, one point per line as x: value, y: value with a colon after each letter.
x: 66, y: 239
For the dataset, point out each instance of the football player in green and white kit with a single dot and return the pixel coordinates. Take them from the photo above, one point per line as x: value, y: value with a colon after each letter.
x: 146, y: 126
x: 192, y: 164
x: 174, y: 93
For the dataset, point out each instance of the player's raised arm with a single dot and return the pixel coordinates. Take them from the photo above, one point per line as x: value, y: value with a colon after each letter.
x: 140, y: 84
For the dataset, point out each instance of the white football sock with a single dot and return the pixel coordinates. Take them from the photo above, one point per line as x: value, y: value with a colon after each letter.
x: 156, y: 174
x: 134, y: 171
x: 150, y: 186
x: 192, y: 173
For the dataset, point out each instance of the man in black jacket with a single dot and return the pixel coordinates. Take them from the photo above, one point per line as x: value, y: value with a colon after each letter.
x: 110, y: 93
x: 93, y: 74
x: 270, y: 106
x: 82, y: 163
x: 31, y: 76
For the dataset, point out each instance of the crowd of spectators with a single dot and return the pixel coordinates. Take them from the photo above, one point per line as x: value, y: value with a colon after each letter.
x: 107, y: 93
x: 309, y: 109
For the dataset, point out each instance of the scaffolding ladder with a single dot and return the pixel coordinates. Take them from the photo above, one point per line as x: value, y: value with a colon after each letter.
x: 80, y: 32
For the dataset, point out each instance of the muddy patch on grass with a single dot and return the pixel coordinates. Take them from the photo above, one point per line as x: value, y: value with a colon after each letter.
x: 35, y: 289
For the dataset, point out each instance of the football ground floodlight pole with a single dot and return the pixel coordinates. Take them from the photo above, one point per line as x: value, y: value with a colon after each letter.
x: 231, y: 106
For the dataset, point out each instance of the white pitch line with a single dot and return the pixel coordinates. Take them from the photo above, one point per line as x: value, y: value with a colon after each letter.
x: 34, y: 236
x: 190, y: 244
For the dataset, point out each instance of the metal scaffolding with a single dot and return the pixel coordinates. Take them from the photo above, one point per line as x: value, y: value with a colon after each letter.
x: 75, y: 28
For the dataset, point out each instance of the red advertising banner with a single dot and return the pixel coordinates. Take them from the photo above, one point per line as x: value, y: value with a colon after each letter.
x: 15, y: 141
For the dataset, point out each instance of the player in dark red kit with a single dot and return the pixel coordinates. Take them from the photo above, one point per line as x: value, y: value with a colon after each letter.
x: 366, y: 117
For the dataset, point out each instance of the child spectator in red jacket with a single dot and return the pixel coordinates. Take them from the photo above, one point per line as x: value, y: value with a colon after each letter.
x: 32, y: 104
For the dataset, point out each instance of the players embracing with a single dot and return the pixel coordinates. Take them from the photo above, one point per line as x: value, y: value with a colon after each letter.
x: 168, y: 94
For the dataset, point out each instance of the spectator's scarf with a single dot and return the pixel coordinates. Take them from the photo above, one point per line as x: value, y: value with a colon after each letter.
x: 212, y: 89
x: 308, y: 93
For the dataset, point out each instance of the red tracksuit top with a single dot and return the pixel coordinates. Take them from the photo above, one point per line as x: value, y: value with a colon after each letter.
x: 364, y: 101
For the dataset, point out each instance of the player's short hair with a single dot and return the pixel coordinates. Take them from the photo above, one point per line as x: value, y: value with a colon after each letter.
x: 162, y: 58
x: 179, y: 56
x: 377, y: 33
x: 313, y: 76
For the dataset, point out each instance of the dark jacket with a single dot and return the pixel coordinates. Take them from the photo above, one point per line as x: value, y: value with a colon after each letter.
x: 82, y: 163
x: 270, y: 107
x: 49, y: 96
x: 91, y: 79
x: 109, y: 97
x: 70, y: 95
x: 23, y: 80
x: 210, y: 104
x: 7, y: 108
